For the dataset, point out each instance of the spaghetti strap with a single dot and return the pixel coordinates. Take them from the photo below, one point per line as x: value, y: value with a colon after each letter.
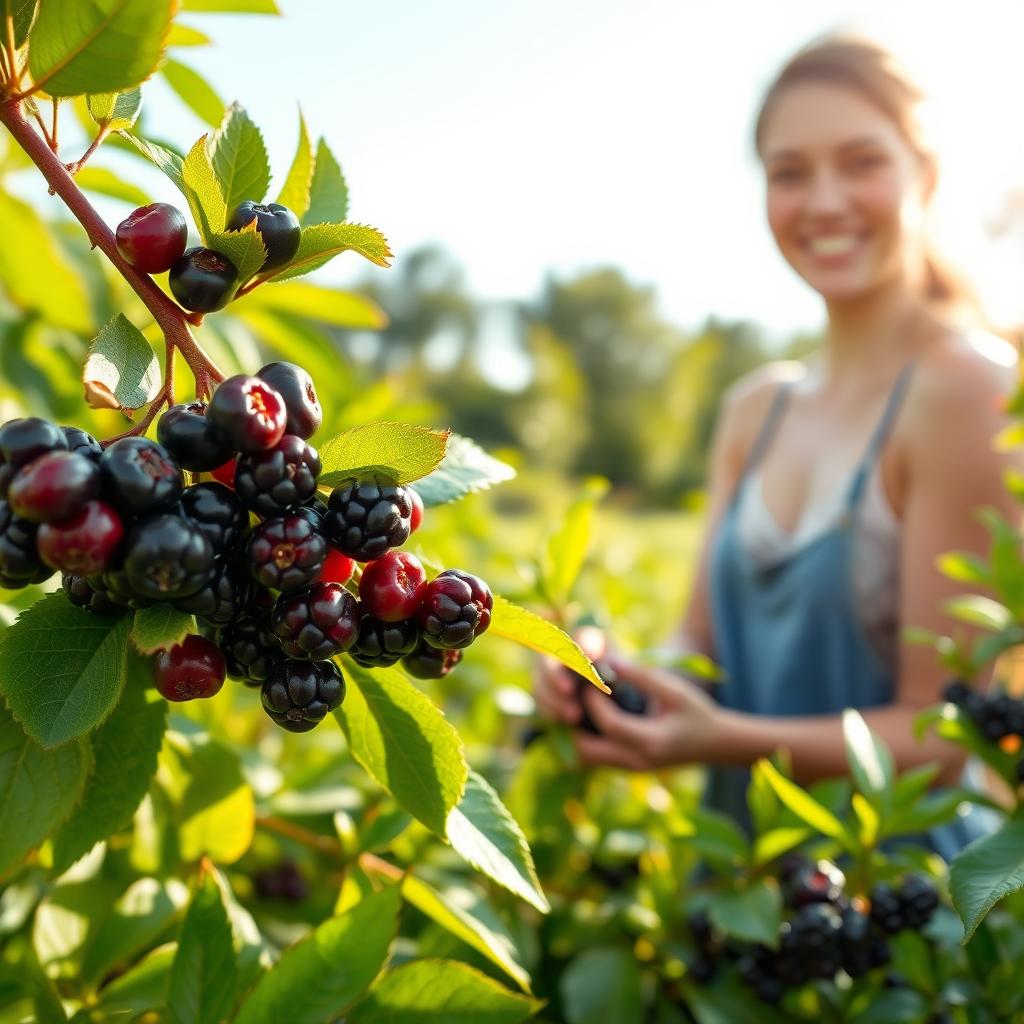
x: 881, y: 432
x: 767, y: 431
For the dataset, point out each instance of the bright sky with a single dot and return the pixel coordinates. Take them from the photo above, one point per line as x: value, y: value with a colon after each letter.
x: 543, y: 135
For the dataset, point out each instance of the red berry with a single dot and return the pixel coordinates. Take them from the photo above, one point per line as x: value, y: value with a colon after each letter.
x: 152, y: 237
x: 193, y: 668
x: 250, y: 412
x: 338, y: 568
x: 225, y: 474
x: 299, y: 394
x: 417, y: 510
x: 85, y: 543
x: 392, y: 586
x: 54, y: 487
x: 455, y: 610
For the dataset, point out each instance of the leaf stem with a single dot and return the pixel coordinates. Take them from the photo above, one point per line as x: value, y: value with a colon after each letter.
x: 170, y: 317
x: 303, y: 836
x: 13, y: 76
x: 53, y: 129
x: 75, y: 166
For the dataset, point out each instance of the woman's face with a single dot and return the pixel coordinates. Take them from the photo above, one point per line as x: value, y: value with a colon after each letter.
x: 845, y: 193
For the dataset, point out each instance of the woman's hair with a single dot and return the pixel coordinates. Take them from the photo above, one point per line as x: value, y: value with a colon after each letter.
x: 871, y: 71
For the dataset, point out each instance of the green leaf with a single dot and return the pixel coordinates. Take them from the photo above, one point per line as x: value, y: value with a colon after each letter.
x: 99, y: 46
x: 295, y: 190
x: 76, y: 659
x: 716, y: 837
x: 194, y: 91
x: 901, y: 1006
x: 244, y: 248
x: 805, y: 807
x: 324, y: 974
x: 160, y: 627
x: 142, y: 987
x: 568, y: 545
x: 490, y: 939
x: 170, y: 163
x: 485, y: 835
x: 979, y: 611
x: 404, y: 741
x: 397, y: 450
x: 602, y: 986
x: 105, y: 182
x: 320, y: 243
x: 870, y: 761
x: 430, y: 991
x: 185, y: 35
x: 147, y: 908
x: 985, y: 871
x: 233, y: 6
x: 751, y: 915
x: 47, y: 283
x: 328, y: 305
x: 203, y: 975
x: 38, y: 789
x: 524, y: 627
x: 116, y: 111
x: 964, y: 567
x: 22, y: 11
x: 121, y: 369
x: 328, y: 193
x: 202, y: 191
x: 124, y: 752
x: 239, y: 159
x: 465, y: 469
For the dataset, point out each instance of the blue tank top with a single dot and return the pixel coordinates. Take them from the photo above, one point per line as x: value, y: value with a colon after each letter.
x: 788, y: 635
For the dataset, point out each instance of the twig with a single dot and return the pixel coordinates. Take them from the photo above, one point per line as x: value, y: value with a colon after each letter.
x: 53, y: 130
x: 322, y: 844
x: 76, y: 165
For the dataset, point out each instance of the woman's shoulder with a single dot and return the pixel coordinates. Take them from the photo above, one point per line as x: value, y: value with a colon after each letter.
x: 747, y: 399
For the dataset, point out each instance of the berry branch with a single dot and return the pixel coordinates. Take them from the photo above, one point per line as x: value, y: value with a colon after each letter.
x: 172, y: 320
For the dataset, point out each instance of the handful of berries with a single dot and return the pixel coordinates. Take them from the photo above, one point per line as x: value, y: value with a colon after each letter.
x: 266, y: 566
x: 997, y: 715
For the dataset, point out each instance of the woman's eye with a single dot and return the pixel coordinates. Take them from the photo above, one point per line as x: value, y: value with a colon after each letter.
x: 785, y: 174
x: 863, y: 163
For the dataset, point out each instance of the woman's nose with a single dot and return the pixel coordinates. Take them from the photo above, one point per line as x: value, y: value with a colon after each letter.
x: 825, y: 194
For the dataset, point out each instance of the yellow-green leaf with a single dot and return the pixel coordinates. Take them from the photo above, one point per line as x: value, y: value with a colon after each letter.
x: 160, y: 627
x: 185, y: 35
x: 106, y: 183
x: 804, y: 806
x: 328, y: 191
x: 328, y: 305
x: 203, y: 192
x: 398, y: 450
x: 244, y: 248
x: 116, y: 111
x: 194, y: 91
x: 239, y: 159
x: 529, y: 629
x: 295, y: 190
x: 322, y: 242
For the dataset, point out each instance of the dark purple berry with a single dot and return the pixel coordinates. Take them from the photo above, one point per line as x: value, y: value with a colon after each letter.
x: 196, y: 443
x: 283, y: 882
x: 428, y: 662
x: 152, y: 237
x: 84, y: 544
x: 819, y: 883
x: 54, y: 486
x: 23, y: 440
x: 82, y: 595
x: 919, y: 900
x: 218, y: 512
x: 956, y: 692
x: 367, y: 516
x: 455, y: 609
x: 317, y: 623
x: 250, y: 412
x: 283, y: 478
x: 203, y: 280
x: 20, y: 564
x: 277, y: 225
x: 298, y: 695
x: 167, y: 558
x: 380, y: 644
x: 83, y: 443
x: 194, y: 668
x: 139, y: 476
x: 250, y: 649
x: 887, y: 908
x: 223, y: 599
x: 296, y: 388
x: 286, y: 553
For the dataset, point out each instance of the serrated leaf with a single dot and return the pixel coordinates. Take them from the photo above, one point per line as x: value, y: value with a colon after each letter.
x: 105, y: 182
x: 121, y: 369
x: 203, y: 975
x: 320, y: 243
x: 323, y: 975
x: 752, y: 914
x: 465, y: 469
x: 488, y: 938
x: 404, y: 741
x: 76, y: 659
x: 38, y: 789
x: 295, y: 190
x: 115, y: 111
x: 142, y: 987
x: 160, y: 627
x: 100, y: 46
x: 484, y: 833
x: 601, y: 986
x: 244, y: 248
x: 804, y: 806
x: 328, y: 305
x: 428, y: 991
x: 22, y: 12
x: 239, y: 159
x: 169, y: 162
x: 530, y: 630
x: 202, y: 191
x: 124, y: 753
x: 328, y: 191
x: 397, y: 450
x: 984, y: 872
x: 194, y: 91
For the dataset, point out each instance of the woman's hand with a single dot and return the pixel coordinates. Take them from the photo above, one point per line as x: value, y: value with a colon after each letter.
x: 555, y: 687
x: 683, y: 724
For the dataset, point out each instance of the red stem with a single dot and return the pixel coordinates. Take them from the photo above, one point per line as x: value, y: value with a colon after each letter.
x: 170, y: 317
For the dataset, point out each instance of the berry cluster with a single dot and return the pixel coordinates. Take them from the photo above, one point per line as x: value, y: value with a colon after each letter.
x: 626, y: 696
x: 997, y: 715
x: 153, y: 239
x: 263, y: 565
x: 824, y: 933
